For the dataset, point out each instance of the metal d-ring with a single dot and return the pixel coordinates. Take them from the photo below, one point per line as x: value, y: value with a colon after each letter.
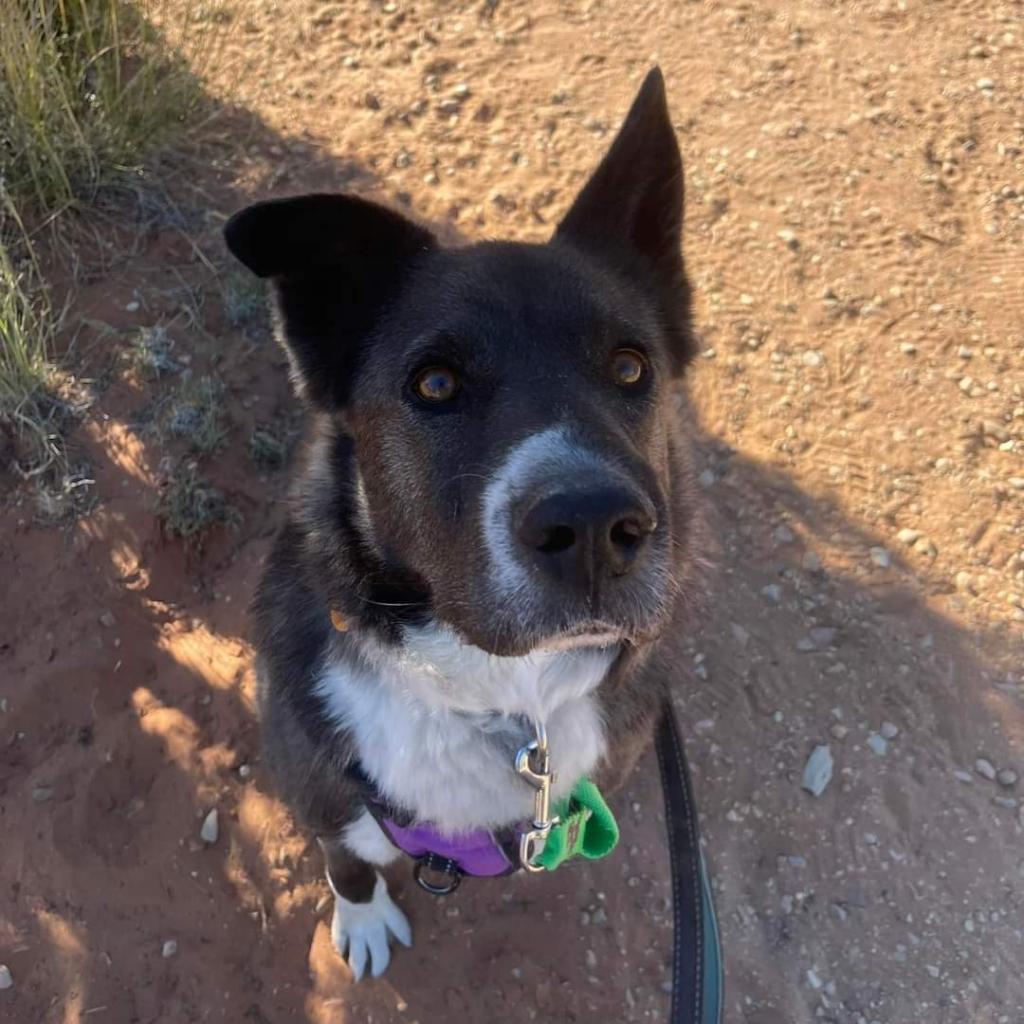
x: 449, y: 869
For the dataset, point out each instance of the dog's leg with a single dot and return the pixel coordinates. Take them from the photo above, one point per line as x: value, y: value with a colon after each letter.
x: 364, y: 914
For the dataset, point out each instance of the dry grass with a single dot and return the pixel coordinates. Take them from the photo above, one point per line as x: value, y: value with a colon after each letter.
x: 87, y: 87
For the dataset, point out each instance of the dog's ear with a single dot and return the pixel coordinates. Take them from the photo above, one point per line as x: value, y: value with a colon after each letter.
x: 633, y: 205
x: 335, y: 262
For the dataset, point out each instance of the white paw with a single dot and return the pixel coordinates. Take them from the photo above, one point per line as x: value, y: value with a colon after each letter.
x: 360, y: 931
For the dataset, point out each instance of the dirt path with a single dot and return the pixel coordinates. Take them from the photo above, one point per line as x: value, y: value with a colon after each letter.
x: 855, y: 198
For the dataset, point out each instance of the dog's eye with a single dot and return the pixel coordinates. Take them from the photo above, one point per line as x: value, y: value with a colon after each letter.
x: 628, y: 367
x: 436, y: 384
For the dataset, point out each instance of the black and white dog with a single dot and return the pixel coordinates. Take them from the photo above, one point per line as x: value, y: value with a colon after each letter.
x: 495, y: 523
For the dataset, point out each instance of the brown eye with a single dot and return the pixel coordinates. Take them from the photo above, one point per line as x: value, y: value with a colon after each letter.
x: 436, y: 384
x: 628, y: 366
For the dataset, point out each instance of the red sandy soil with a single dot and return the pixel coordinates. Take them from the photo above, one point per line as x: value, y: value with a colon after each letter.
x: 855, y: 205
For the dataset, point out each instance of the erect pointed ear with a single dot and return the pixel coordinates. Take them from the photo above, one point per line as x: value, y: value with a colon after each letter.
x: 632, y: 206
x: 335, y: 262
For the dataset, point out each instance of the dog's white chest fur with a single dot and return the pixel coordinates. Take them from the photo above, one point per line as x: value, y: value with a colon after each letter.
x: 414, y: 719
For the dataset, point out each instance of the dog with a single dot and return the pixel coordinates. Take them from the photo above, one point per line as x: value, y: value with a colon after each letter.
x: 495, y: 529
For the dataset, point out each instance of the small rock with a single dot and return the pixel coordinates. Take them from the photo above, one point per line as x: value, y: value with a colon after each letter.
x: 740, y: 635
x: 877, y: 744
x: 985, y: 769
x: 908, y: 348
x: 789, y: 237
x: 211, y: 828
x: 6, y: 981
x: 244, y: 771
x: 964, y: 352
x: 889, y: 731
x: 170, y: 947
x: 822, y: 637
x: 811, y: 561
x: 783, y: 535
x: 839, y: 731
x: 1006, y: 777
x: 773, y: 592
x: 965, y: 777
x: 881, y: 558
x: 41, y: 794
x: 1006, y: 802
x: 985, y: 84
x: 818, y: 770
x: 813, y: 980
x: 813, y: 358
x: 963, y: 582
x: 132, y: 307
x: 706, y: 479
x: 908, y: 536
x: 107, y: 619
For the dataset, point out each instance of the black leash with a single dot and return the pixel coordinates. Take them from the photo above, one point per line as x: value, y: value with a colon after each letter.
x: 696, y: 951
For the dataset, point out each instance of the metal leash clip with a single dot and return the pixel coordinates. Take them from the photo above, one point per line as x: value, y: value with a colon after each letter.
x: 533, y: 763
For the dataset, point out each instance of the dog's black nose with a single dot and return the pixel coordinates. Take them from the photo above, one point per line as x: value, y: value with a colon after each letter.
x: 580, y: 536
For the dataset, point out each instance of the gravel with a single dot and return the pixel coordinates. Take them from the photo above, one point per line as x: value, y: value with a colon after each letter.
x: 170, y: 947
x: 877, y: 744
x: 6, y: 981
x: 985, y: 769
x: 211, y: 828
x: 818, y: 770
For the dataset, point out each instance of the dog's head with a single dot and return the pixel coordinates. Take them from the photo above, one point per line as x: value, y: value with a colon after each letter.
x: 501, y: 416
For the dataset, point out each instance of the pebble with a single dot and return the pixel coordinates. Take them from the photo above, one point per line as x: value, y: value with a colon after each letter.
x: 984, y: 768
x: 706, y: 479
x: 985, y: 84
x: 881, y: 558
x: 244, y: 771
x: 908, y: 536
x: 6, y: 981
x: 211, y: 828
x: 877, y: 744
x: 132, y: 307
x: 811, y: 561
x: 813, y: 358
x: 170, y: 947
x: 773, y: 592
x: 818, y: 770
x: 783, y: 535
x: 839, y: 731
x: 965, y: 777
x: 1007, y: 777
x: 889, y: 731
x: 1006, y: 802
x: 963, y: 581
x: 908, y: 348
x: 813, y: 980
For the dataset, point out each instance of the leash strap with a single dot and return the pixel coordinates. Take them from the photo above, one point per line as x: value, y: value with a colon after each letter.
x: 696, y: 950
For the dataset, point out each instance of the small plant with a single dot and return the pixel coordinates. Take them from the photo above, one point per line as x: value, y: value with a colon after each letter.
x: 196, y: 415
x: 152, y: 353
x: 189, y: 506
x: 245, y: 301
x: 269, y: 446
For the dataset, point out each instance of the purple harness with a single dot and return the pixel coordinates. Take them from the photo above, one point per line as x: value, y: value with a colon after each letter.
x: 480, y: 853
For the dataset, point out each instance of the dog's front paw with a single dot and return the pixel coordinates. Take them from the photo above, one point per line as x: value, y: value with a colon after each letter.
x: 360, y: 931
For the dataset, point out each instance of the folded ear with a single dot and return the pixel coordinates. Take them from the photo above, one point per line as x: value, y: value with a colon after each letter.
x: 335, y: 262
x: 633, y: 205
